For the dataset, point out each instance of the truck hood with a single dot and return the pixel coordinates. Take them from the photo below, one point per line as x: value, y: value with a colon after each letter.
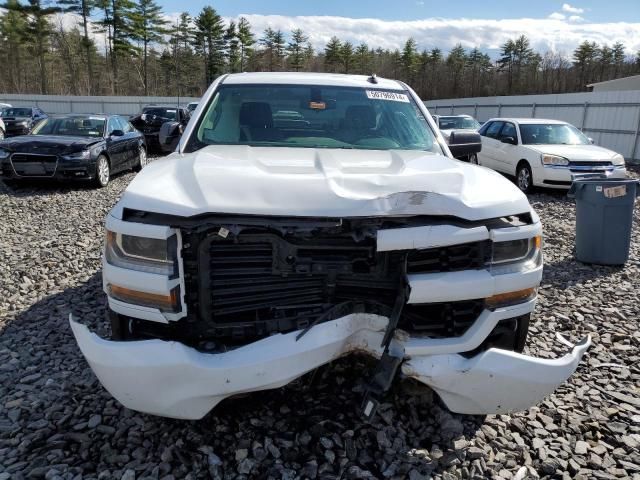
x: 308, y: 182
x: 576, y: 152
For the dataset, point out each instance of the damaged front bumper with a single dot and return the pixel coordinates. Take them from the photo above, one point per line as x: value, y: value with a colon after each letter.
x: 170, y: 379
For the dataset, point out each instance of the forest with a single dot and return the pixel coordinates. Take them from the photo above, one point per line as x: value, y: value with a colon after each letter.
x: 144, y: 53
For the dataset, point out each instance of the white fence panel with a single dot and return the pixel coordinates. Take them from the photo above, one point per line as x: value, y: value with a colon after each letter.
x: 70, y: 104
x: 612, y: 119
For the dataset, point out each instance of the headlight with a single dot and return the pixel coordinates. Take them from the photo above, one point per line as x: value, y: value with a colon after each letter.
x: 618, y: 159
x: 516, y: 255
x: 3, y: 153
x: 151, y: 255
x: 24, y: 123
x: 548, y: 160
x: 83, y: 155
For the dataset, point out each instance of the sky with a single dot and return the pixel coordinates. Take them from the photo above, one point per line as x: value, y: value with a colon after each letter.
x: 550, y: 24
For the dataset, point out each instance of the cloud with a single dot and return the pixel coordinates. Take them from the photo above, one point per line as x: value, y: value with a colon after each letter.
x: 557, y: 16
x: 576, y: 18
x: 570, y: 9
x: 544, y: 33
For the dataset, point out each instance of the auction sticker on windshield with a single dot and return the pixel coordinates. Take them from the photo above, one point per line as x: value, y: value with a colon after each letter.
x: 393, y: 96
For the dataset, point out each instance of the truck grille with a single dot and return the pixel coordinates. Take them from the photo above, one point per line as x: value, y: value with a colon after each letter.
x: 34, y: 165
x: 262, y: 283
x: 452, y: 258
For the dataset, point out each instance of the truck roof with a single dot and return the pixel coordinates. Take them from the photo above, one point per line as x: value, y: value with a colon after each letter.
x: 304, y: 78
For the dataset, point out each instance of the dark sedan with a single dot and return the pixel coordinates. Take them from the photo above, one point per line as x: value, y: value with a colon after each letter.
x: 21, y: 120
x: 83, y: 147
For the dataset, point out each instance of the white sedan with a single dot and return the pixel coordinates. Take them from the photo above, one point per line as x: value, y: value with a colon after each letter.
x: 544, y: 153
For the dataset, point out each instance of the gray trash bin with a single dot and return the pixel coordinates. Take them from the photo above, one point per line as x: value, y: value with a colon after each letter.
x: 604, y: 217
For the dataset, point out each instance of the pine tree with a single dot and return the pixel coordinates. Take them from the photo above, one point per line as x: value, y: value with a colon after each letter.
x: 506, y: 62
x: 583, y: 59
x: 246, y: 41
x: 268, y: 42
x: 604, y: 57
x: 456, y: 61
x: 332, y: 54
x: 210, y: 42
x: 232, y: 47
x: 83, y: 9
x: 408, y: 59
x: 13, y: 27
x: 296, y: 51
x: 618, y: 54
x: 147, y: 26
x: 279, y: 48
x: 37, y: 33
x: 346, y: 55
x: 363, y: 59
x: 117, y: 23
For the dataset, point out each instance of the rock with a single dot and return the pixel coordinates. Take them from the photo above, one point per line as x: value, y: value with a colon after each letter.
x: 581, y: 447
x: 94, y: 421
x: 128, y: 475
x: 241, y: 454
x: 245, y: 466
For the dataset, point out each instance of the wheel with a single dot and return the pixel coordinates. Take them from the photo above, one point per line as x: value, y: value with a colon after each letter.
x: 524, y: 177
x: 473, y: 158
x: 142, y: 159
x: 102, y: 172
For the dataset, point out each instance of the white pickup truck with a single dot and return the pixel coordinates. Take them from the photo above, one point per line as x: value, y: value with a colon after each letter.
x: 305, y: 217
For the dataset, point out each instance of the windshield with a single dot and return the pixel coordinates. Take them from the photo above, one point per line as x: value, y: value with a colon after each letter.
x: 71, y: 126
x: 455, y: 123
x: 552, y: 134
x: 169, y: 113
x: 313, y: 117
x: 16, y: 112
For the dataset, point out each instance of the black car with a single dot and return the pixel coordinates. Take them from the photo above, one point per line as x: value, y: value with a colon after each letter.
x: 21, y: 120
x: 84, y: 147
x: 162, y: 126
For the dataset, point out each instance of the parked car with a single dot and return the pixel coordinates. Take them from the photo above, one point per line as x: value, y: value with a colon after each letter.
x: 191, y: 107
x: 20, y: 120
x: 256, y: 253
x: 544, y: 153
x: 452, y: 125
x: 162, y: 126
x: 74, y: 147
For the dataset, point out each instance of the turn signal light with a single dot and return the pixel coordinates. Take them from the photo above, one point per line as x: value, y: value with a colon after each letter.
x: 166, y: 303
x: 509, y: 298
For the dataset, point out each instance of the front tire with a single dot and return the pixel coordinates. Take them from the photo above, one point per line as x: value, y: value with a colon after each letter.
x: 142, y: 159
x: 524, y: 177
x: 103, y: 172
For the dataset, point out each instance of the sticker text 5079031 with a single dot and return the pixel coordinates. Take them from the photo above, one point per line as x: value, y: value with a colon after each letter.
x: 393, y: 96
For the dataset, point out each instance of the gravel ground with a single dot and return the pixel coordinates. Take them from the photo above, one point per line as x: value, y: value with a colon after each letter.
x: 56, y: 421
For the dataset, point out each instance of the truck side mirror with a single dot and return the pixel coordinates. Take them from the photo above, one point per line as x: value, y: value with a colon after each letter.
x: 463, y: 143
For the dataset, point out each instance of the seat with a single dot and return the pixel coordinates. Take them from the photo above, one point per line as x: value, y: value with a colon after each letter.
x: 256, y: 122
x: 359, y: 121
